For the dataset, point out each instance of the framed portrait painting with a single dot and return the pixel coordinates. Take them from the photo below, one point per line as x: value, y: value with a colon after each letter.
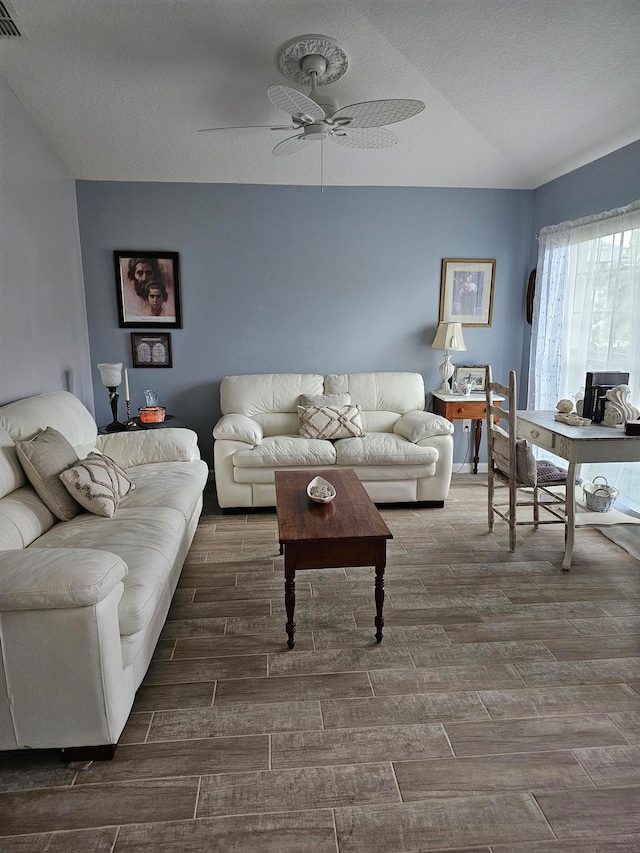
x: 148, y: 350
x: 466, y: 291
x: 148, y: 288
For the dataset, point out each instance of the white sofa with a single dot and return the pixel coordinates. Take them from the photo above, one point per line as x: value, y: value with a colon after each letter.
x: 82, y: 602
x: 405, y: 454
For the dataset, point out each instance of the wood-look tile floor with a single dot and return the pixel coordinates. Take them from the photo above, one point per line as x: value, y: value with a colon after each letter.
x: 501, y: 712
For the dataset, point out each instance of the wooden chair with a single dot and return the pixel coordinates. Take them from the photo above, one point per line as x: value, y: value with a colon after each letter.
x: 511, y: 463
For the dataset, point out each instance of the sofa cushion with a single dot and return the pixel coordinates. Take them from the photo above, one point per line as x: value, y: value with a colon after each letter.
x: 23, y: 518
x: 146, y: 539
x: 391, y: 391
x: 61, y: 410
x: 177, y: 485
x: 330, y: 422
x: 388, y: 473
x: 262, y: 393
x: 270, y: 399
x: 286, y: 450
x: 382, y: 448
x: 145, y: 446
x: 365, y: 472
x: 97, y: 484
x: 44, y: 458
x: 12, y: 474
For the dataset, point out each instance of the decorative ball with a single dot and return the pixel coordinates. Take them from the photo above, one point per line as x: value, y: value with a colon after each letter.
x: 564, y: 406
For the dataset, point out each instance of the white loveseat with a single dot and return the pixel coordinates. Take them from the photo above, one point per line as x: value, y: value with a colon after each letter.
x: 82, y: 602
x: 405, y: 453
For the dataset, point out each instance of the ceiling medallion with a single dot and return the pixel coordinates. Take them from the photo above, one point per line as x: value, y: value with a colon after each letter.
x: 291, y: 55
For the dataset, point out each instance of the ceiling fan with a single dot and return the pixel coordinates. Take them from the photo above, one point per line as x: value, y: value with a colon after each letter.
x: 317, y: 60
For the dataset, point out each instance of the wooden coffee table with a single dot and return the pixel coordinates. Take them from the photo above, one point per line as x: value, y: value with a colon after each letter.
x: 349, y: 531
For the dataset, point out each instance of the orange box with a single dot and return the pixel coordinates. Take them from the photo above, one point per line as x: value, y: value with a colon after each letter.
x: 151, y: 414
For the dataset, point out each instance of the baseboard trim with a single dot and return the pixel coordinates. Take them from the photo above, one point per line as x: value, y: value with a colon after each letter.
x: 467, y: 468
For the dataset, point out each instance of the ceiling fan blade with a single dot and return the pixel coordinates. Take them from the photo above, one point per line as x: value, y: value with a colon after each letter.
x: 295, y: 103
x: 290, y: 145
x: 250, y: 127
x: 365, y: 137
x: 378, y: 113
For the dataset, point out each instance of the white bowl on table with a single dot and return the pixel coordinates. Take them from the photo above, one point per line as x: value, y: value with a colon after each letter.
x: 320, y: 499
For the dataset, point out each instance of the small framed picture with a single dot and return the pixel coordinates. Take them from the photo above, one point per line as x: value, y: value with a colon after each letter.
x: 469, y: 375
x: 151, y: 350
x: 466, y: 291
x: 148, y: 288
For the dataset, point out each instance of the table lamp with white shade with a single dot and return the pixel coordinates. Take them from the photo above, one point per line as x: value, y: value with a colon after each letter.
x: 111, y: 376
x: 448, y: 338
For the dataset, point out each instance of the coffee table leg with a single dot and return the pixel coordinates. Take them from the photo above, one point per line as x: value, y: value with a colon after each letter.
x: 379, y: 601
x: 290, y: 603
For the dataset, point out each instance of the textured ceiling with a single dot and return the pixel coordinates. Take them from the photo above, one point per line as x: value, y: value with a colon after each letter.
x: 517, y: 92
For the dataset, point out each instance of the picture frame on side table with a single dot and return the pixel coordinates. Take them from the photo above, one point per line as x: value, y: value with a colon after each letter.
x: 148, y: 288
x: 465, y: 374
x: 466, y: 291
x: 151, y: 350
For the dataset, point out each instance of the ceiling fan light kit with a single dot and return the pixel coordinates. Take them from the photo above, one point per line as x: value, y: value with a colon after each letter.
x: 316, y: 60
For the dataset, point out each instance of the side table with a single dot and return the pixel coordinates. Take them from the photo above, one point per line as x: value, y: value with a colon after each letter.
x: 458, y: 407
x: 168, y: 422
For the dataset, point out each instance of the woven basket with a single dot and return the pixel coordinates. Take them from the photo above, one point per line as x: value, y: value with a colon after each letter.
x: 599, y: 497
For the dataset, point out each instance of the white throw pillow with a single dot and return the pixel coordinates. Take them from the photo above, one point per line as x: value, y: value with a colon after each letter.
x: 97, y: 484
x: 342, y: 399
x: 330, y: 422
x: 43, y: 458
x: 418, y: 425
x: 238, y: 428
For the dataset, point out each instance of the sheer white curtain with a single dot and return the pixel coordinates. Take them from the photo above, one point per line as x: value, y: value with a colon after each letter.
x: 587, y: 317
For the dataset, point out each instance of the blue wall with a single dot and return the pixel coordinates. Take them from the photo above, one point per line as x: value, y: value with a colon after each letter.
x: 289, y: 279
x: 609, y: 182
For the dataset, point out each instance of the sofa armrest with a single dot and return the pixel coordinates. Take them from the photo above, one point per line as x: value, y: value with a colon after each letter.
x: 238, y: 428
x: 48, y: 578
x: 130, y: 449
x: 62, y: 677
x: 416, y: 426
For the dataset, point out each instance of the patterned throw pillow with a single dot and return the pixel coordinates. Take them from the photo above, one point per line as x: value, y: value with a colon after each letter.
x: 330, y: 422
x: 97, y: 484
x: 113, y: 464
x: 43, y: 458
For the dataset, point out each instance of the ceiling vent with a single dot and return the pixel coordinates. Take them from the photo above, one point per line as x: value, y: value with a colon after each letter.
x: 9, y: 27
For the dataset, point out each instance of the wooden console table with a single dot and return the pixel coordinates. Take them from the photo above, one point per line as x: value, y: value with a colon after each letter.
x: 458, y: 407
x: 349, y: 531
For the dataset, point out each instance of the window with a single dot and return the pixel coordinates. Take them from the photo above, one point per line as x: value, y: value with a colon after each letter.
x: 587, y: 317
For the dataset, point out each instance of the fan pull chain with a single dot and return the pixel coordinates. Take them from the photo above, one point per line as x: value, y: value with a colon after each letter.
x: 321, y: 166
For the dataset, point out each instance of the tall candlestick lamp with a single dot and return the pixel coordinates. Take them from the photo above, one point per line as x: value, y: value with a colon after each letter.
x: 448, y: 338
x: 111, y: 376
